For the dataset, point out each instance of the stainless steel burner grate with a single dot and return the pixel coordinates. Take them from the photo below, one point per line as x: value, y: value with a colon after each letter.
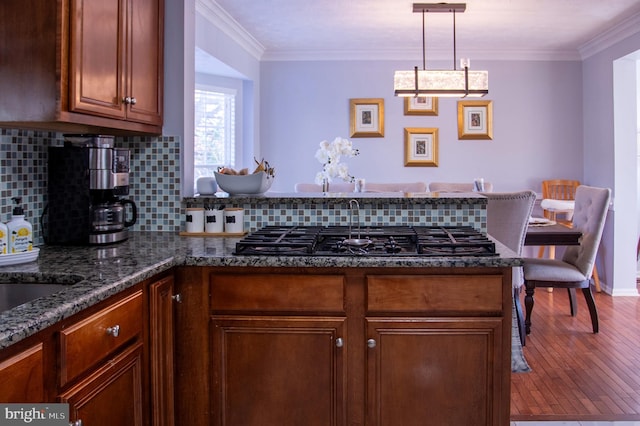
x: 373, y: 241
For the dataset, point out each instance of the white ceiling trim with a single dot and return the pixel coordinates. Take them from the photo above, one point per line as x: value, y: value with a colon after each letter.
x: 624, y: 29
x: 416, y: 55
x: 219, y: 17
x: 229, y: 26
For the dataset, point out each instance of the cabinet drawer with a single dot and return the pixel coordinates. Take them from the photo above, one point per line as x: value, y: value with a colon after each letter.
x: 277, y: 293
x: 436, y: 293
x: 88, y: 341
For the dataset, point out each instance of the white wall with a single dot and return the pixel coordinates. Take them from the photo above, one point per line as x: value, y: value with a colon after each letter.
x: 537, y: 123
x: 610, y: 152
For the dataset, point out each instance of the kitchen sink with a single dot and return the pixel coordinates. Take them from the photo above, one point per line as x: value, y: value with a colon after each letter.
x: 18, y: 290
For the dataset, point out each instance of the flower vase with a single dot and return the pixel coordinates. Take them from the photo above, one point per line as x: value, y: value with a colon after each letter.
x: 325, y: 185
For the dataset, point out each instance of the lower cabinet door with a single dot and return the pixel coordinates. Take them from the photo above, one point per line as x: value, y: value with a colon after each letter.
x: 278, y: 371
x: 112, y: 395
x: 434, y: 372
x: 22, y: 376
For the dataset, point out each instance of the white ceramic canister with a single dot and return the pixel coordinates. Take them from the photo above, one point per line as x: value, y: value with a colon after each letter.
x: 233, y: 220
x: 213, y: 221
x: 195, y: 219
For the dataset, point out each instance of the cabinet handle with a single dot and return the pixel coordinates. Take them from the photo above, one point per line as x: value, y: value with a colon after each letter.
x: 371, y: 343
x: 339, y: 342
x: 76, y: 423
x: 126, y: 100
x: 133, y: 101
x: 112, y: 331
x: 177, y: 298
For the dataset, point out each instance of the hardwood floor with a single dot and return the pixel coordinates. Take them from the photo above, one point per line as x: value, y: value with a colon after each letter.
x: 578, y: 375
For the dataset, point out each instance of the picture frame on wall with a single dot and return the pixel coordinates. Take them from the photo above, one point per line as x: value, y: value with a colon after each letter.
x: 420, y: 147
x: 475, y: 119
x: 367, y: 117
x: 421, y: 105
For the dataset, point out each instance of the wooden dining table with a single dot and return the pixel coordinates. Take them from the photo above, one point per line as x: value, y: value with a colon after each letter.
x: 552, y: 235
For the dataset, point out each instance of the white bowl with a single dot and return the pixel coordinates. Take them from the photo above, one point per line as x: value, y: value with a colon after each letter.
x: 256, y: 183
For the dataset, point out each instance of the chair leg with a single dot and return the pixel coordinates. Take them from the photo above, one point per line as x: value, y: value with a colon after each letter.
x: 528, y: 305
x: 519, y: 317
x: 573, y: 305
x: 596, y: 279
x: 591, y: 303
x: 541, y: 252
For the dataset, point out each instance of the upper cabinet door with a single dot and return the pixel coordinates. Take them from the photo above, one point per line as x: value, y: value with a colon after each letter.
x: 98, y: 57
x: 116, y: 59
x: 145, y: 61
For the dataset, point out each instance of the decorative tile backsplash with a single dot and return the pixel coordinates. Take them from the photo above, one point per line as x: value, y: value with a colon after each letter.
x: 155, y: 188
x: 154, y: 179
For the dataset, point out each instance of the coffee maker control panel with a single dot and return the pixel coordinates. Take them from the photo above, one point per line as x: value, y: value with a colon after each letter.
x: 109, y: 169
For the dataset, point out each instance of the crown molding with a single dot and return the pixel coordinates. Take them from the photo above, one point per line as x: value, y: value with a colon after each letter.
x: 416, y: 55
x: 219, y: 17
x: 611, y: 36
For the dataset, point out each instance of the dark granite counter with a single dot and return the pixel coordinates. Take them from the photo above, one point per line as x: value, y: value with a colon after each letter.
x: 107, y: 270
x: 409, y: 198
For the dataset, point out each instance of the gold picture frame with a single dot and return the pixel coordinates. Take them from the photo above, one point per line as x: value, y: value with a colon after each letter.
x: 475, y: 119
x: 367, y: 117
x: 421, y: 105
x: 421, y: 147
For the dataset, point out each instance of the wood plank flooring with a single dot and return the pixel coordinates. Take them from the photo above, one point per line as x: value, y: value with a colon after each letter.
x: 578, y: 375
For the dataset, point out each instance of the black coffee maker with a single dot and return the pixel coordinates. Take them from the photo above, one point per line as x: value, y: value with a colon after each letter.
x: 88, y: 178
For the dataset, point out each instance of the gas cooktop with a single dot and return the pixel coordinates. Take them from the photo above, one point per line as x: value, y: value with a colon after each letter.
x: 366, y: 241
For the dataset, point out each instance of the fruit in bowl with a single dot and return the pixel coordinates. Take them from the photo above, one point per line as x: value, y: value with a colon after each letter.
x: 255, y: 183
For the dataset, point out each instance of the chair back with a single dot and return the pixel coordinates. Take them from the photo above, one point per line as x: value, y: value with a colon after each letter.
x: 589, y: 217
x: 395, y: 187
x: 559, y: 189
x: 508, y: 216
x: 333, y: 187
x: 457, y: 187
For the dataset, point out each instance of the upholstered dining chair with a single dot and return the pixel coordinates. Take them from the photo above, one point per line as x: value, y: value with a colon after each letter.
x: 507, y: 220
x: 333, y: 187
x: 395, y: 187
x: 558, y: 203
x: 575, y: 268
x: 457, y: 187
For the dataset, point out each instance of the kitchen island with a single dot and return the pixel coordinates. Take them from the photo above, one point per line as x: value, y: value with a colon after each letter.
x: 387, y: 208
x: 332, y: 332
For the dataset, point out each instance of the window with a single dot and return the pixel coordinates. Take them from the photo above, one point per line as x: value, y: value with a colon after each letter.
x: 214, y: 130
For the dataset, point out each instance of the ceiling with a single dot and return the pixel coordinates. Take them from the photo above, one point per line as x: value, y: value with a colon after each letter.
x: 492, y: 29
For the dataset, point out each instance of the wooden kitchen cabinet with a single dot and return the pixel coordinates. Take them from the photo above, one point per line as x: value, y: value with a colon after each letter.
x: 101, y: 364
x: 82, y: 66
x: 115, y: 66
x: 447, y: 375
x: 375, y: 346
x: 23, y: 376
x: 278, y: 350
x: 161, y: 341
x: 270, y: 369
x: 90, y: 340
x: 437, y: 350
x: 110, y: 395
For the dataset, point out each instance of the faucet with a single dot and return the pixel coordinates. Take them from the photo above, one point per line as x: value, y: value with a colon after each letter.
x: 353, y: 202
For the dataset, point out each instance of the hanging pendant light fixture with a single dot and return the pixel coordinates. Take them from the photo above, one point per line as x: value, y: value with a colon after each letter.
x: 441, y: 83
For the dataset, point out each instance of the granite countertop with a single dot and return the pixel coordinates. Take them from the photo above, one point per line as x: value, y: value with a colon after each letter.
x: 102, y: 271
x: 408, y: 198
